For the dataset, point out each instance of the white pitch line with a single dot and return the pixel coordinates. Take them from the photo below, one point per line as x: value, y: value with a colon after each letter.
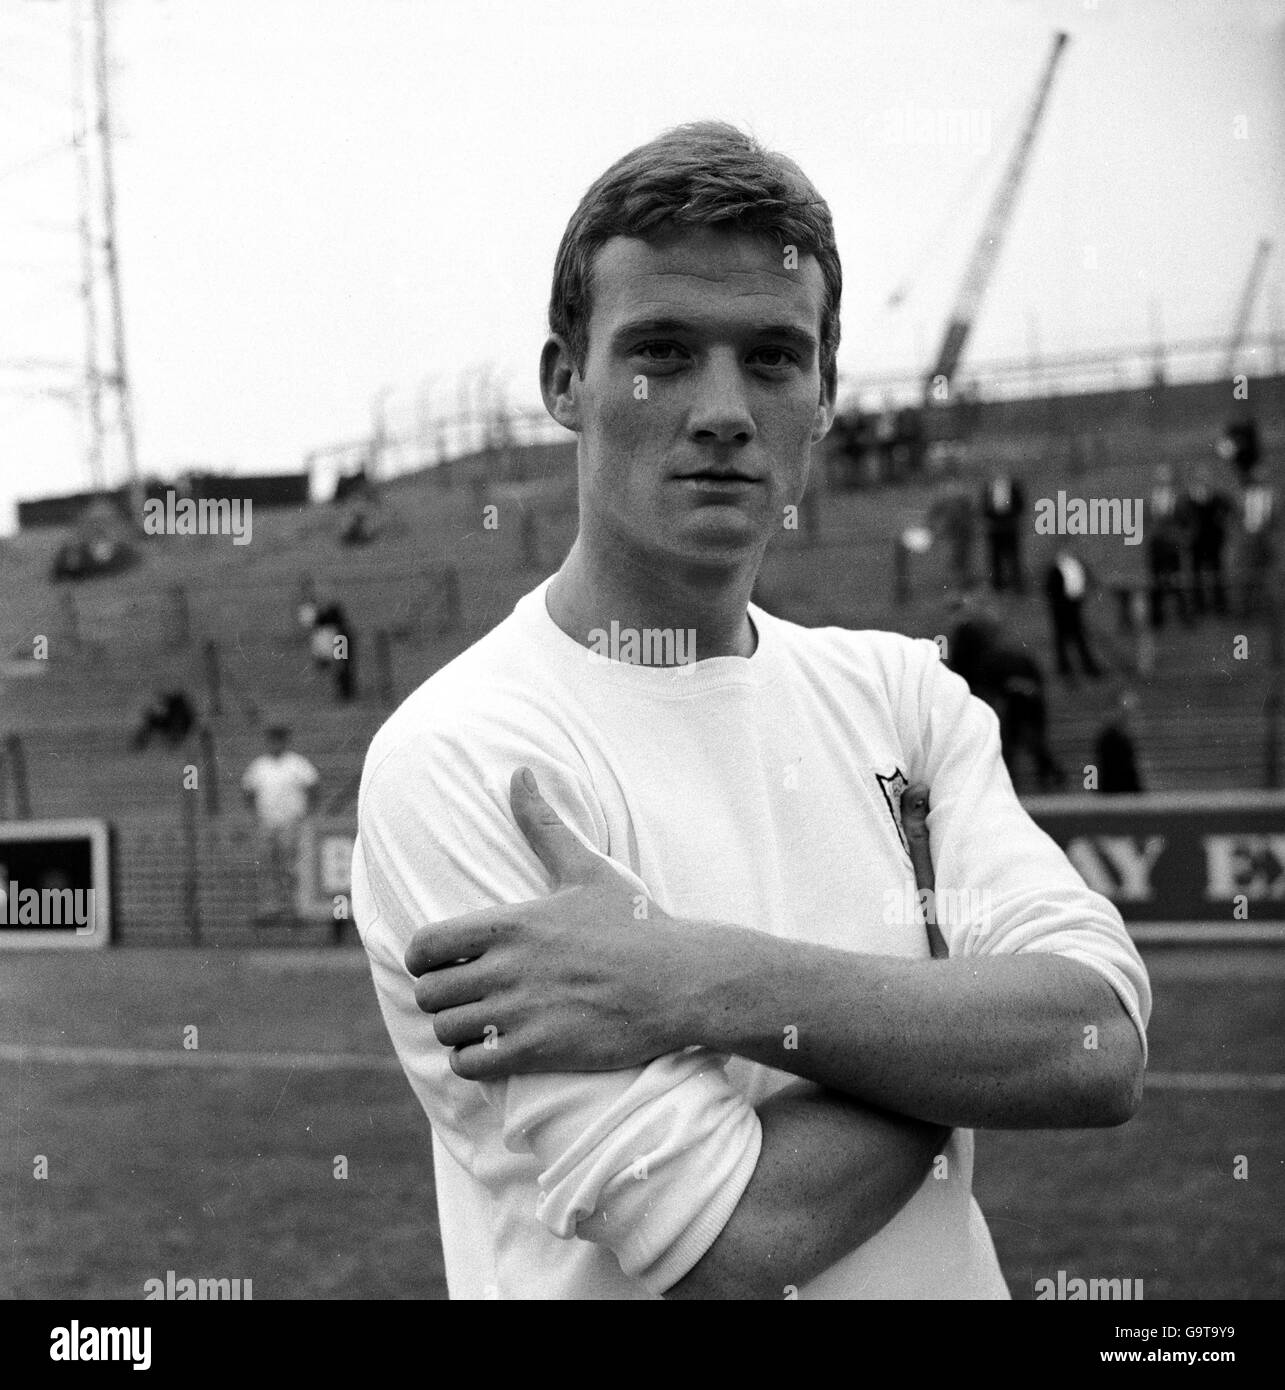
x: 1215, y: 1081
x: 177, y: 1057
x: 369, y: 1061
x: 305, y: 958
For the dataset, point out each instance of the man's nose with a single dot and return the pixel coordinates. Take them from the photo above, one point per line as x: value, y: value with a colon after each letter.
x: 721, y: 413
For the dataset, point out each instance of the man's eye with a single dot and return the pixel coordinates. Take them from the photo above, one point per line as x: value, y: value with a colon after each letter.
x: 659, y: 351
x: 775, y: 357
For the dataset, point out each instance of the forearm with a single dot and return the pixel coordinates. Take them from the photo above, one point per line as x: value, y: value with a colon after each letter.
x: 831, y: 1173
x: 1032, y: 1040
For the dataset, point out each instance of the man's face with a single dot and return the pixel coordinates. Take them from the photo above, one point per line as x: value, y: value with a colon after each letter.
x: 701, y: 394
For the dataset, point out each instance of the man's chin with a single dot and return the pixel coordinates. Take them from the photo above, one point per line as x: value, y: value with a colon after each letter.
x: 722, y: 534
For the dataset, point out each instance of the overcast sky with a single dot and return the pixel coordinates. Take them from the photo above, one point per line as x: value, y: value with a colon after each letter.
x: 321, y: 199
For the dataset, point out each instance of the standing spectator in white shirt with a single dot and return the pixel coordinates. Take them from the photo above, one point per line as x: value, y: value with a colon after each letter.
x: 1002, y: 504
x: 1066, y: 586
x: 1257, y: 550
x: 280, y: 787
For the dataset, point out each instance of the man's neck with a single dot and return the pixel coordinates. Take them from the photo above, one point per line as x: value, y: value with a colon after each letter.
x: 591, y: 591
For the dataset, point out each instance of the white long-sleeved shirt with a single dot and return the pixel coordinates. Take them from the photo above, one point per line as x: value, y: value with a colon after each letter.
x: 759, y: 790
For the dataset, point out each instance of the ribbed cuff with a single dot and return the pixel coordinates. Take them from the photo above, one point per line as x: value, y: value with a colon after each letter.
x: 690, y: 1248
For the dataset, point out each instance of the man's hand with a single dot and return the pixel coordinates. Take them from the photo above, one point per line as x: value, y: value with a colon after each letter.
x: 592, y: 978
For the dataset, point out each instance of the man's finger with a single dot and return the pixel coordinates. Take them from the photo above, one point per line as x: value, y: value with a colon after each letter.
x: 484, y: 1061
x: 559, y: 849
x: 451, y: 986
x: 466, y: 1026
x: 456, y: 939
x: 914, y: 821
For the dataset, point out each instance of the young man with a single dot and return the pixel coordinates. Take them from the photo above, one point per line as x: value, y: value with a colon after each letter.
x: 612, y: 1069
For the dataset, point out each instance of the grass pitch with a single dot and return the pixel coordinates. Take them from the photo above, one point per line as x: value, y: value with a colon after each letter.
x: 230, y: 1172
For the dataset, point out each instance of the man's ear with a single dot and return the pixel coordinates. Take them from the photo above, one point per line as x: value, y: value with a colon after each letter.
x: 560, y: 383
x: 825, y: 405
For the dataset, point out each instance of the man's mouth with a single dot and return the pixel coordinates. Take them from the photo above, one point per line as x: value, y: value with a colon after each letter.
x: 719, y: 476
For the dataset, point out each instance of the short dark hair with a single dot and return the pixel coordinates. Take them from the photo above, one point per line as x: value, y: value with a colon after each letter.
x: 704, y: 174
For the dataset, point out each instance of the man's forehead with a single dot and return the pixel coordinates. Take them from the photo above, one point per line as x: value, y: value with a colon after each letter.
x: 704, y: 266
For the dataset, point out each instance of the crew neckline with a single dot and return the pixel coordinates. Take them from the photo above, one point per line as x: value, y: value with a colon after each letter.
x: 581, y: 662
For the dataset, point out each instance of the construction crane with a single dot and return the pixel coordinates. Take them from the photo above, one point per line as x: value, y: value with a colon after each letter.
x: 981, y: 265
x: 1245, y: 309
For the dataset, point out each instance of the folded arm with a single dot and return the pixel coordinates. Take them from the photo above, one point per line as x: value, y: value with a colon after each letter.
x: 830, y: 1174
x: 1019, y: 1041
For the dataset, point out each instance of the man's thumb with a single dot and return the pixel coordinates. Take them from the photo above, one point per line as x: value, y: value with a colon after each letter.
x: 559, y: 849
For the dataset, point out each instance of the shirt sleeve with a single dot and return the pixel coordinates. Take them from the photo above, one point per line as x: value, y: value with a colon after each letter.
x: 1002, y: 883
x: 308, y: 775
x: 250, y: 777
x: 649, y: 1162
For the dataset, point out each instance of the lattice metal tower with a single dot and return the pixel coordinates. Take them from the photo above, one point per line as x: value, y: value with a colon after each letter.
x: 108, y: 403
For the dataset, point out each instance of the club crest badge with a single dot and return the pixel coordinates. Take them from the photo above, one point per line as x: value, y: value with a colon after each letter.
x: 892, y: 787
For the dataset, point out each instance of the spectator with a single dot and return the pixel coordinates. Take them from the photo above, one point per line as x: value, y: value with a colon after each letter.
x: 1207, y: 512
x: 346, y: 666
x: 1066, y: 586
x: 1165, y: 536
x: 360, y: 498
x: 170, y: 714
x: 1114, y: 750
x: 1023, y: 716
x: 334, y: 647
x: 359, y: 528
x: 340, y: 647
x: 1240, y: 447
x: 1257, y: 525
x: 280, y: 788
x: 71, y: 561
x: 1009, y: 680
x: 327, y: 620
x: 971, y: 642
x: 1002, y: 506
